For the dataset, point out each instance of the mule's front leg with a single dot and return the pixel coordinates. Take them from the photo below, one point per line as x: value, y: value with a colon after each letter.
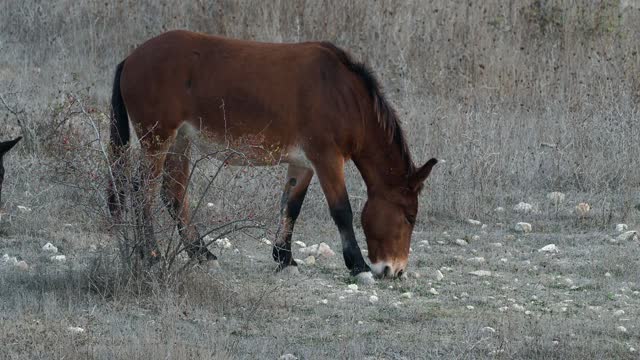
x: 298, y: 179
x: 331, y: 175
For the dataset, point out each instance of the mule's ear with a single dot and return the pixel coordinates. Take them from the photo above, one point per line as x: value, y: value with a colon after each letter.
x: 7, y: 145
x: 420, y: 175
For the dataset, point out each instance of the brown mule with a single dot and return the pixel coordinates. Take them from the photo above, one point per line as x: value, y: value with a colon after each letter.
x: 5, y: 146
x: 309, y: 105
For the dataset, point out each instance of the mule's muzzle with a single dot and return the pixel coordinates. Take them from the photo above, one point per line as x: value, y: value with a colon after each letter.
x: 384, y: 269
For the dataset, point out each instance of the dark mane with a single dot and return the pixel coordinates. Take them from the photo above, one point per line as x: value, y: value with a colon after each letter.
x: 386, y: 115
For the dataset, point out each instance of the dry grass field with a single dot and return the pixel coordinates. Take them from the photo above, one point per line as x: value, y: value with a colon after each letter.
x: 521, y: 98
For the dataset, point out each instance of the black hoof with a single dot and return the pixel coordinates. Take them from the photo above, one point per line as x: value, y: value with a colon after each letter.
x: 359, y: 269
x: 282, y: 255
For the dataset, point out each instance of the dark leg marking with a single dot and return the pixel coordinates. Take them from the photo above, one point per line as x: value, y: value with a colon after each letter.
x: 343, y: 217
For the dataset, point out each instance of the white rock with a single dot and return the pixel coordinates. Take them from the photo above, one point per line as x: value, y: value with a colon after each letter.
x: 353, y: 287
x: 475, y: 238
x: 476, y: 260
x: 48, y: 247
x: 223, y: 243
x: 415, y: 274
x: 484, y: 226
x: 423, y: 243
x: 288, y: 357
x: 499, y: 209
x: 556, y: 198
x: 75, y: 329
x: 523, y: 207
x: 551, y: 248
x: 481, y: 273
x: 517, y: 307
x: 325, y: 250
x: 632, y: 349
x: 607, y: 274
x: 265, y: 241
x: 433, y: 291
x: 470, y: 307
x: 298, y: 261
x: 300, y: 243
x: 504, y: 260
x: 24, y: 209
x: 621, y: 329
x: 310, y: 260
x: 621, y: 227
x: 496, y: 244
x: 365, y: 278
x: 618, y: 313
x: 438, y: 275
x: 211, y: 205
x: 373, y: 299
x: 628, y: 235
x: 324, y: 301
x: 407, y: 295
x: 9, y: 260
x: 22, y: 265
x: 474, y: 222
x: 523, y: 227
x: 461, y: 242
x: 58, y: 258
x: 309, y: 250
x: 583, y: 209
x: 488, y: 329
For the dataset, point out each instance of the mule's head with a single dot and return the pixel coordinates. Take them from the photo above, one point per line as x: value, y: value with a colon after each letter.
x: 4, y: 147
x: 388, y: 220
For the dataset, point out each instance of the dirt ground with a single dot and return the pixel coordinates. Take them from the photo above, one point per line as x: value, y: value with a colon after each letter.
x: 580, y: 301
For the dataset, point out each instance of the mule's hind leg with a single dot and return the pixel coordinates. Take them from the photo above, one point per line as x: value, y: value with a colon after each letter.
x: 295, y: 189
x: 330, y: 170
x: 175, y: 196
x: 154, y: 147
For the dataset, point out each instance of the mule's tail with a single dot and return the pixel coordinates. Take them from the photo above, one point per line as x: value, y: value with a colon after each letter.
x: 120, y: 134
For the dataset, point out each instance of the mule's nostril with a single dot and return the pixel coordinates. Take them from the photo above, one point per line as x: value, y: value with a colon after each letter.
x: 387, y: 271
x: 400, y: 272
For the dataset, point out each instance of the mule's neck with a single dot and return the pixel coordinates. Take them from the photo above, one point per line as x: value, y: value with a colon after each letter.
x: 383, y: 164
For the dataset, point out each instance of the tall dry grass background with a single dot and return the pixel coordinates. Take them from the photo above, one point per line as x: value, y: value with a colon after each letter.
x: 520, y: 97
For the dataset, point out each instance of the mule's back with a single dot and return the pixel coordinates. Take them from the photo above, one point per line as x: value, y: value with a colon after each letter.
x: 261, y: 95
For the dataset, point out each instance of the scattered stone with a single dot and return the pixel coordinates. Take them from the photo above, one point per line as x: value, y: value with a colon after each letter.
x: 310, y: 260
x: 551, y: 248
x: 300, y: 243
x: 523, y: 207
x: 621, y: 227
x: 75, y: 329
x: 474, y: 222
x: 211, y: 205
x: 324, y: 301
x: 499, y: 209
x: 325, y: 250
x: 481, y: 273
x: 353, y: 287
x: 556, y: 198
x: 475, y: 238
x: 438, y: 275
x: 22, y: 265
x: 288, y: 357
x: 488, y: 329
x: 528, y: 312
x: 223, y: 243
x: 373, y: 299
x: 496, y: 244
x: 470, y: 307
x: 461, y: 242
x: 415, y: 274
x: 9, y: 260
x: 48, y: 247
x: 24, y: 209
x: 618, y: 313
x: 523, y: 227
x: 517, y: 307
x: 407, y: 295
x: 58, y: 258
x: 484, y: 226
x: 433, y: 291
x: 309, y: 250
x: 504, y: 260
x: 510, y: 237
x: 423, y: 243
x: 476, y: 260
x: 621, y: 329
x: 265, y: 241
x: 632, y: 349
x: 583, y: 209
x: 628, y: 235
x: 607, y: 274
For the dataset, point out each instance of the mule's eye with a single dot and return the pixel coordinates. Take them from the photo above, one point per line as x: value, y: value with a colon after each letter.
x: 411, y: 219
